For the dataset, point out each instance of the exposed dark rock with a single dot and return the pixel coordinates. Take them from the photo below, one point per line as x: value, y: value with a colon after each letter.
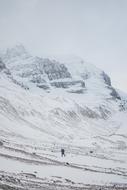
x: 37, y: 79
x: 55, y: 70
x: 3, y: 68
x: 68, y: 84
x: 60, y: 84
x: 19, y: 83
x: 123, y: 105
x: 1, y: 143
x: 106, y: 78
x: 44, y: 86
x: 6, y: 107
x: 81, y: 91
x: 2, y: 65
x: 114, y: 93
x: 40, y: 71
x: 104, y: 113
x: 87, y: 112
x: 30, y: 175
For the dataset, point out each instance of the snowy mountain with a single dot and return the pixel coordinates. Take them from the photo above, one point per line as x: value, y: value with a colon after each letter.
x: 49, y: 103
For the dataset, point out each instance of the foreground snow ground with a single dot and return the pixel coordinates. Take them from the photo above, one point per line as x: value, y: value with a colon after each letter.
x: 20, y: 165
x: 101, y: 163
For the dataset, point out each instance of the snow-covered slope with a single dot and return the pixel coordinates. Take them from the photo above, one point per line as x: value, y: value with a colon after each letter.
x: 52, y: 103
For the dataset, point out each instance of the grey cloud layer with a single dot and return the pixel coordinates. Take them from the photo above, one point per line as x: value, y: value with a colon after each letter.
x: 93, y: 29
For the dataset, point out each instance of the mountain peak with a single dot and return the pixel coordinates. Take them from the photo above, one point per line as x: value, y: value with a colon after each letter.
x: 18, y: 50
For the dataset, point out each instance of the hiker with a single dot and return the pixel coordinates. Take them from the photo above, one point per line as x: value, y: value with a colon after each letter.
x: 62, y: 152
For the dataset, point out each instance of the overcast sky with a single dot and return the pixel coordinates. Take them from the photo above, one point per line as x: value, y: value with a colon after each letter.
x: 96, y: 30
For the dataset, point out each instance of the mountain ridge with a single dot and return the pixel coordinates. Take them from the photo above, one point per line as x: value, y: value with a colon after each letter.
x: 48, y: 104
x: 73, y: 91
x: 40, y: 70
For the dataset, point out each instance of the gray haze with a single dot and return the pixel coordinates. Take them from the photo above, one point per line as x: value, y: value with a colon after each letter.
x: 93, y: 29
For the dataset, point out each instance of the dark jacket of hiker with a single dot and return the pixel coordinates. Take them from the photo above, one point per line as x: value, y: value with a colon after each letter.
x: 62, y: 152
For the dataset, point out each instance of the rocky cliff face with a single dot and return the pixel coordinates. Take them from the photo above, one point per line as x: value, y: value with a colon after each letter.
x: 74, y: 80
x: 48, y: 73
x: 41, y: 72
x: 2, y: 65
x: 88, y: 87
x: 106, y: 78
x: 3, y: 68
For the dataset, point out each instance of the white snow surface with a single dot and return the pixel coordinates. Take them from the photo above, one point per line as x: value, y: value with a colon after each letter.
x: 90, y: 126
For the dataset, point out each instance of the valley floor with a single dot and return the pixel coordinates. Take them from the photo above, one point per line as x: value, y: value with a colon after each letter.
x: 42, y: 167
